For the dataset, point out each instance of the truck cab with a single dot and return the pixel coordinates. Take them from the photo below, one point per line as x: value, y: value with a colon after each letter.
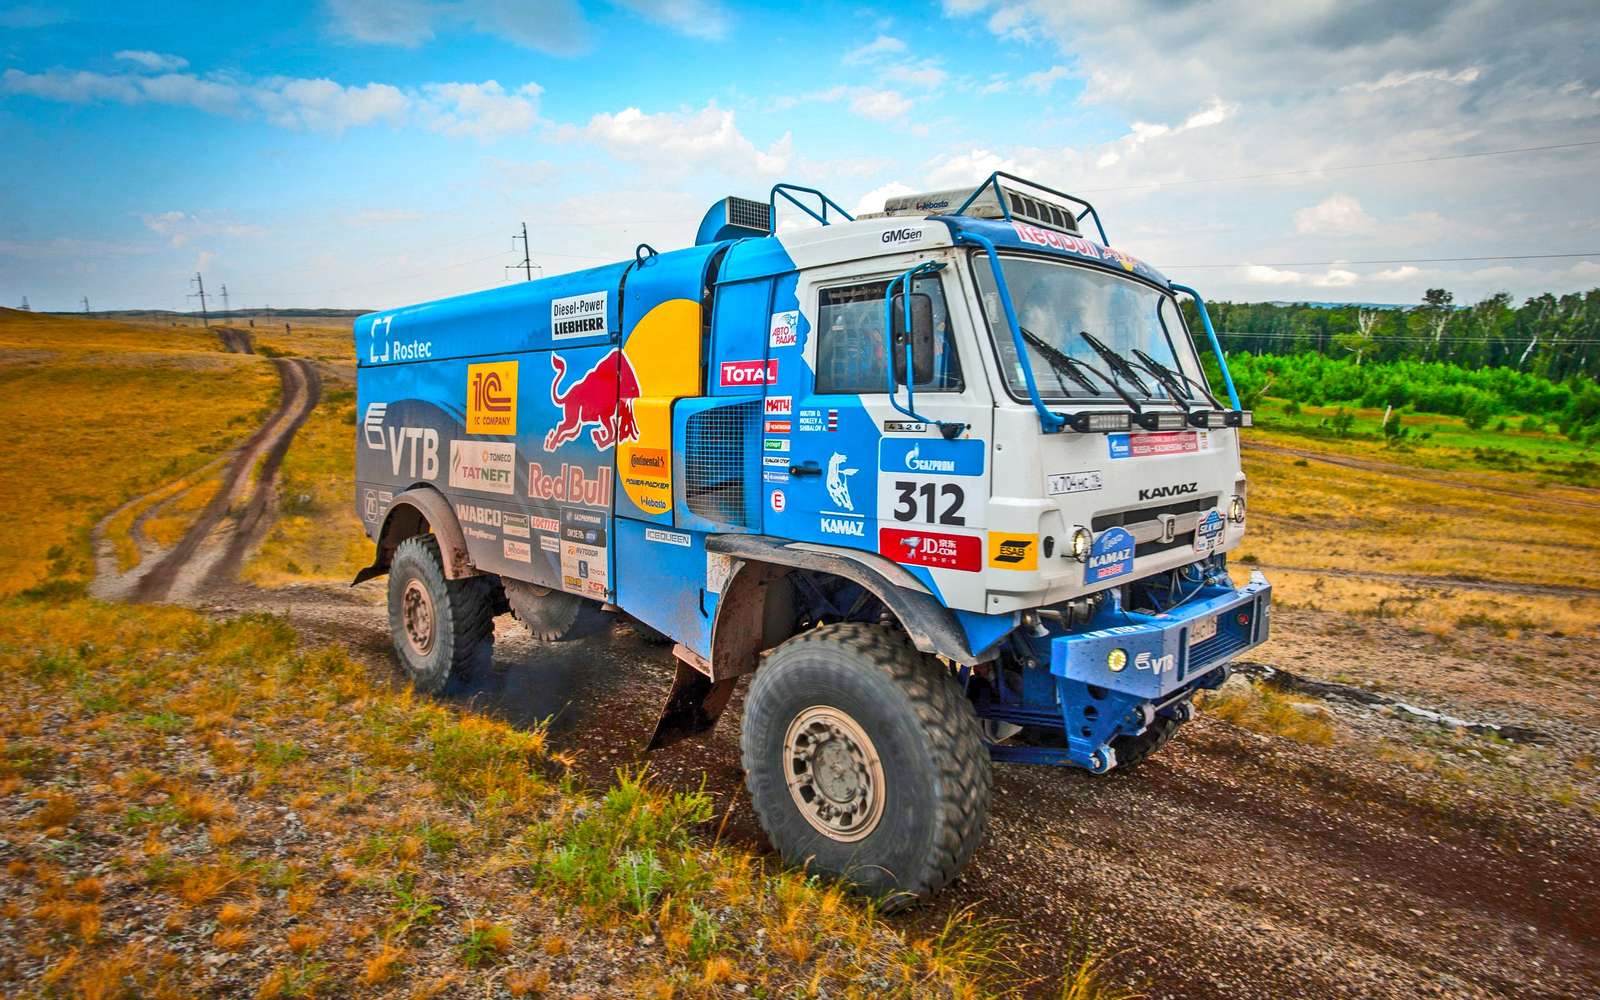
x: 948, y: 483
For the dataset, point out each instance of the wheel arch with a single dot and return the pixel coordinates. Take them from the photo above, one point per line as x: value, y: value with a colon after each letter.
x: 417, y: 511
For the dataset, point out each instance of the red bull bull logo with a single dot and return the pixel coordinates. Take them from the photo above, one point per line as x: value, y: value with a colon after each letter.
x: 602, y: 397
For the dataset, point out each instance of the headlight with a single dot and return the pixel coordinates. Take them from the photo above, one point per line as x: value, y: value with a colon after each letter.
x: 1081, y: 541
x: 1236, y: 509
x: 1116, y: 660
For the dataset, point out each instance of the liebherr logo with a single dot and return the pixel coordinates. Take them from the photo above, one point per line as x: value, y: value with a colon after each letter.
x: 1176, y: 490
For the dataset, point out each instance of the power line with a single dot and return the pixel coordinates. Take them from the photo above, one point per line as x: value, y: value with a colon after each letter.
x: 527, y: 259
x: 1404, y: 260
x: 86, y: 305
x: 225, y: 309
x: 205, y: 318
x: 1349, y: 166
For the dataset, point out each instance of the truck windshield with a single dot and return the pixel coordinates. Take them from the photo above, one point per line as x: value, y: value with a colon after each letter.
x: 1055, y: 301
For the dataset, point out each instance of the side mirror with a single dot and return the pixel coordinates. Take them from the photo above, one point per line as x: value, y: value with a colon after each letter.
x: 921, y: 338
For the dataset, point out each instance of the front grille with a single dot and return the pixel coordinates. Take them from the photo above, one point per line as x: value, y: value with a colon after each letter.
x: 1153, y: 546
x: 1138, y: 514
x: 1225, y: 643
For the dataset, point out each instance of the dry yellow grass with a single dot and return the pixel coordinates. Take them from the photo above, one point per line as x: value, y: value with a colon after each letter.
x: 98, y: 412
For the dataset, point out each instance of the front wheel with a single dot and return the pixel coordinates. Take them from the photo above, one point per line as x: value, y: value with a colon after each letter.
x: 439, y: 627
x: 865, y: 761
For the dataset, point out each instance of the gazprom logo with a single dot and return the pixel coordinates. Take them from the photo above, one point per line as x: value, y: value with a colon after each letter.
x: 916, y: 463
x: 932, y: 456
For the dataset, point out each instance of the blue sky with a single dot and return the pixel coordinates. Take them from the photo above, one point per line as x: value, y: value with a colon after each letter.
x: 363, y: 154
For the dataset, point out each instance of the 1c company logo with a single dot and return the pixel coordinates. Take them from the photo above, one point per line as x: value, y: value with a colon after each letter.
x: 492, y: 398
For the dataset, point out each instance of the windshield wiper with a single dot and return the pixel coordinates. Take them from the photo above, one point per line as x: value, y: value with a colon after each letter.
x: 1119, y: 364
x: 1175, y: 376
x: 1061, y: 361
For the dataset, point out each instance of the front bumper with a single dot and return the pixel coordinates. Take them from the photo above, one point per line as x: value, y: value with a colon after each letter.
x: 1160, y: 660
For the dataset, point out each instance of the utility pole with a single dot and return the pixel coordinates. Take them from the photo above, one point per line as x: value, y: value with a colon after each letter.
x: 86, y: 305
x: 527, y: 259
x: 25, y: 307
x: 200, y: 282
x: 225, y: 309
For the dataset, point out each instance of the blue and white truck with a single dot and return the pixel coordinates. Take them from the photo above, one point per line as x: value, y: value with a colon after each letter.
x: 948, y: 483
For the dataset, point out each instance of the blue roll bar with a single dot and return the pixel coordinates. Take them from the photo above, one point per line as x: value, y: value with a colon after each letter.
x: 1211, y: 335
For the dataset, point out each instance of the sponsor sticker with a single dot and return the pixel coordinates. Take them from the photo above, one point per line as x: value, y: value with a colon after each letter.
x: 550, y: 524
x: 738, y: 374
x: 515, y: 525
x: 583, y: 526
x: 602, y: 396
x: 549, y: 543
x: 370, y: 502
x: 471, y: 513
x: 904, y: 427
x: 1062, y: 483
x: 1149, y: 445
x: 578, y: 316
x: 777, y: 406
x: 775, y: 444
x: 1013, y: 551
x: 492, y: 398
x: 892, y: 237
x: 583, y: 569
x: 932, y: 548
x: 1040, y: 236
x: 784, y: 330
x: 1208, y: 532
x: 415, y: 449
x: 666, y: 537
x: 775, y: 461
x: 519, y: 551
x: 933, y: 456
x: 1110, y: 556
x: 838, y: 481
x: 484, y: 466
x: 381, y: 349
x: 848, y: 525
x: 777, y: 426
x: 768, y: 476
x: 479, y: 534
x: 372, y: 425
x: 572, y: 484
x: 778, y: 501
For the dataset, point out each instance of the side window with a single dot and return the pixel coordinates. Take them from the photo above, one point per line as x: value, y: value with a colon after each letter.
x: 850, y: 340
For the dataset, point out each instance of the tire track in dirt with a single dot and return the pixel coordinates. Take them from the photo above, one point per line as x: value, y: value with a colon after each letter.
x: 211, y: 550
x: 1442, y: 582
x: 1410, y: 472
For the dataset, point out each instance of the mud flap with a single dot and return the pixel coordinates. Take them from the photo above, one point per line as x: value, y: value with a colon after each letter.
x: 693, y: 706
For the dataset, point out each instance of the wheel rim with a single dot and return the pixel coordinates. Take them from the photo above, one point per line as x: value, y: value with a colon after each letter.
x: 834, y: 773
x: 416, y: 614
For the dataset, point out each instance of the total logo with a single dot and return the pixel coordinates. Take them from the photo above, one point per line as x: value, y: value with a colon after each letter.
x: 734, y: 374
x: 492, y: 398
x: 603, y: 397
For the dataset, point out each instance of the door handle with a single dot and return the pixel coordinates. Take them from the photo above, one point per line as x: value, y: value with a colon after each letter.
x: 805, y: 469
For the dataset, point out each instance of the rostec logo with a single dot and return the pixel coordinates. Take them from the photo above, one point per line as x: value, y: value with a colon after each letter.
x: 902, y: 235
x: 743, y: 373
x: 492, y: 398
x: 602, y: 396
x: 372, y: 425
x: 378, y: 335
x: 571, y: 485
x: 1157, y: 492
x: 487, y: 466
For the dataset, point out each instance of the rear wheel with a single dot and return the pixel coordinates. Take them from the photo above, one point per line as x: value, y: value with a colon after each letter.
x: 439, y: 627
x: 1133, y: 750
x: 864, y: 761
x: 548, y: 614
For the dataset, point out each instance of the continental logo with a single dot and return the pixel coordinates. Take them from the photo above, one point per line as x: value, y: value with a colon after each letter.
x: 648, y: 460
x: 1013, y: 551
x: 492, y: 398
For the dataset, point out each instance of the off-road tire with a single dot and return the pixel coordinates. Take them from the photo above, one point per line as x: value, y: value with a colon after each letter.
x: 552, y: 615
x: 647, y: 634
x: 462, y: 616
x: 1132, y: 750
x: 935, y: 766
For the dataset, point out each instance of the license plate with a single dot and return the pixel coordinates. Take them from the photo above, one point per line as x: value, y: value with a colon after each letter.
x: 1202, y: 630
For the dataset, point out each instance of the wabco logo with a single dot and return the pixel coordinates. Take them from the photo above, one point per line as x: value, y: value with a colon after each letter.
x: 902, y: 235
x: 473, y: 514
x: 492, y: 398
x: 1176, y: 490
x: 603, y: 396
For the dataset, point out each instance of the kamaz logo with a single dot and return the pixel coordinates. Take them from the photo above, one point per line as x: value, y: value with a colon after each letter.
x: 842, y: 526
x: 901, y: 235
x: 1158, y: 492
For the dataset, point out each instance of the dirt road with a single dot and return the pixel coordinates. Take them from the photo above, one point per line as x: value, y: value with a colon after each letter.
x: 211, y: 549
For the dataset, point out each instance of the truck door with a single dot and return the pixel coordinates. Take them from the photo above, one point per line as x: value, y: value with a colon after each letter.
x: 842, y: 465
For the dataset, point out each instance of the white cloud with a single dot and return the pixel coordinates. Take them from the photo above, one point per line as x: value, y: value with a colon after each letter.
x: 1042, y: 81
x: 158, y: 62
x: 1335, y: 215
x: 554, y: 26
x: 1394, y: 274
x: 481, y: 109
x: 881, y: 46
x: 695, y: 18
x: 1338, y: 277
x: 181, y: 228
x: 926, y: 75
x: 676, y: 142
x: 880, y: 105
x: 1396, y: 78
x: 326, y: 106
x: 873, y: 200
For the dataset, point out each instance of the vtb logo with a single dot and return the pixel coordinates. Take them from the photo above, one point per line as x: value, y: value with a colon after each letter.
x: 492, y: 398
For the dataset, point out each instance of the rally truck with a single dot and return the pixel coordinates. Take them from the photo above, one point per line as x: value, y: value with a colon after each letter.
x: 948, y: 483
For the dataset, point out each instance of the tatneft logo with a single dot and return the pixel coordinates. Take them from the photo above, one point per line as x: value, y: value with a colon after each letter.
x: 393, y: 350
x: 486, y: 466
x: 492, y: 398
x: 578, y: 316
x: 1175, y: 490
x: 902, y: 235
x: 743, y: 373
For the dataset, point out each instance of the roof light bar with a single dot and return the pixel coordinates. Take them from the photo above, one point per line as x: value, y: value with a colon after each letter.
x: 1100, y: 421
x: 1169, y: 421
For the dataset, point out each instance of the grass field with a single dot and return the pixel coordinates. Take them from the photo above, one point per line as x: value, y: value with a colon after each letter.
x: 99, y: 412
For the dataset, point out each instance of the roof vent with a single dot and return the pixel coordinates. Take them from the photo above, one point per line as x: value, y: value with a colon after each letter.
x: 733, y: 218
x: 1024, y: 207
